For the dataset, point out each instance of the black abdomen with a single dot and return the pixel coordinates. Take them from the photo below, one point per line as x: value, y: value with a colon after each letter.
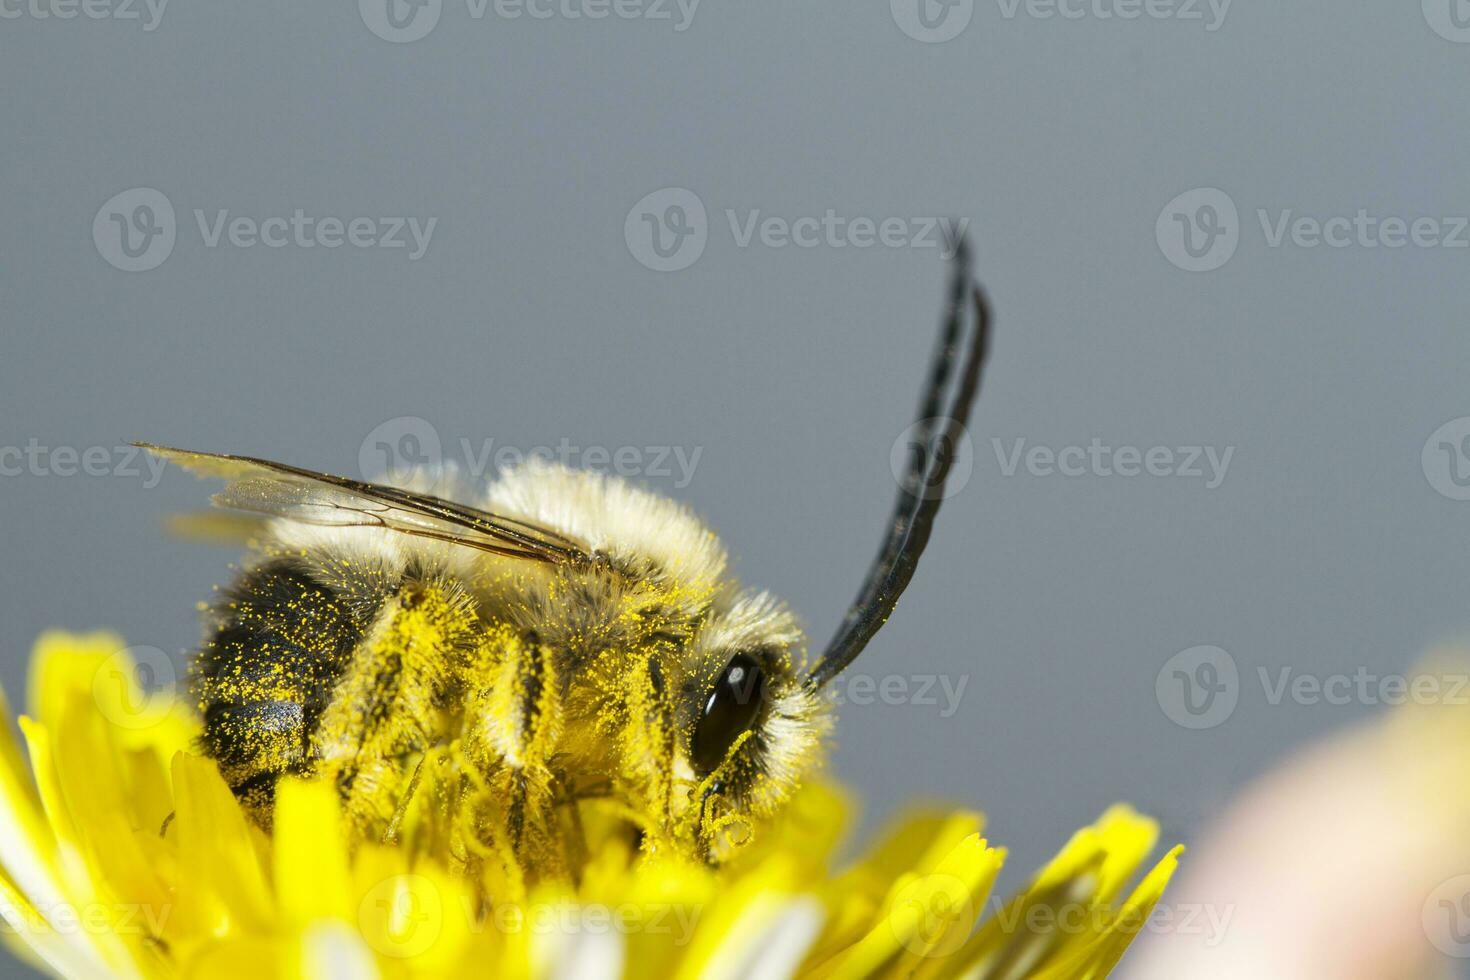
x: 279, y: 641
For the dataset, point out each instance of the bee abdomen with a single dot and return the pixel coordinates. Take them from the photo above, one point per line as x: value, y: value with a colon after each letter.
x: 255, y: 743
x: 238, y: 734
x: 280, y: 641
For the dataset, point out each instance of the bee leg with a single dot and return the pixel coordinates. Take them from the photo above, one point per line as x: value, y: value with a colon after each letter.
x: 391, y: 834
x: 387, y: 706
x: 513, y: 726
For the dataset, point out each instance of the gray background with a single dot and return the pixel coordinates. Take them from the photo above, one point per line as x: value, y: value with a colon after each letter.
x: 529, y: 321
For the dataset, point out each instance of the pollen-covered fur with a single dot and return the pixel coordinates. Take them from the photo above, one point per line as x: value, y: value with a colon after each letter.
x: 422, y: 674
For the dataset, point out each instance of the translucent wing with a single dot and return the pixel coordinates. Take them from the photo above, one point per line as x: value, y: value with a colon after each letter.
x: 260, y: 486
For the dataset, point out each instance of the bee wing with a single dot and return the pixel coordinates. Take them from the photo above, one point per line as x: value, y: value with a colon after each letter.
x: 260, y: 486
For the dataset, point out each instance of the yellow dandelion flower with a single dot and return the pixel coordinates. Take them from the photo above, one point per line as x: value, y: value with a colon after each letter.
x: 124, y: 854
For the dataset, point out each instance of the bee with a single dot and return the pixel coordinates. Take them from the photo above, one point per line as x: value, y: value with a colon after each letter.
x: 557, y: 638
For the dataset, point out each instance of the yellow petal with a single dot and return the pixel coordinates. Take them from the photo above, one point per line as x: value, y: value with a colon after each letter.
x: 727, y: 932
x: 928, y: 912
x: 310, y: 853
x: 224, y: 888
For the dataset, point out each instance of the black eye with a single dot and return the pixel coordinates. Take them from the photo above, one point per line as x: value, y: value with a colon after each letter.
x: 732, y: 707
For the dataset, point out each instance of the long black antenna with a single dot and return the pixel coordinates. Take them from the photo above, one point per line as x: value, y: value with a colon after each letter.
x: 921, y: 490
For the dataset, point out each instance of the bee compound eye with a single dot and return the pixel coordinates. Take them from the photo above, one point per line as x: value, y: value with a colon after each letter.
x: 730, y: 709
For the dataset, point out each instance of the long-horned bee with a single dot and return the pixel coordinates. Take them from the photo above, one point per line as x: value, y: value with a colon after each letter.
x: 555, y: 638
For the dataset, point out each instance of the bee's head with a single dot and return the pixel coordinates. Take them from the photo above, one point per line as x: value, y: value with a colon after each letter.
x: 703, y: 716
x: 749, y: 725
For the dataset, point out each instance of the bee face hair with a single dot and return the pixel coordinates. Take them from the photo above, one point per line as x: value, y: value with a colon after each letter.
x: 562, y: 639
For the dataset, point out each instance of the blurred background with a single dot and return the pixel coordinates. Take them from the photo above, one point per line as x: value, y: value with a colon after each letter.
x: 1215, y: 495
